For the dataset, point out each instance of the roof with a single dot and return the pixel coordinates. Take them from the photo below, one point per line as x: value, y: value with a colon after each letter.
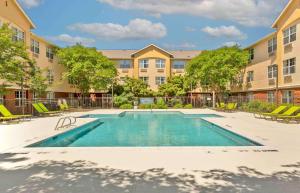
x: 23, y: 12
x: 282, y: 13
x: 261, y: 40
x: 152, y: 45
x: 127, y: 54
x: 42, y: 39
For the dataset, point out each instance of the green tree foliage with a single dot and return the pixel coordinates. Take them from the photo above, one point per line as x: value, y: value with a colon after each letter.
x: 136, y: 87
x: 216, y: 69
x: 86, y: 68
x: 175, y: 86
x: 16, y: 66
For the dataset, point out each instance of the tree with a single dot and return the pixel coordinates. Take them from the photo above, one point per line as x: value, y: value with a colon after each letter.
x: 175, y: 86
x: 86, y: 68
x: 136, y: 87
x: 216, y: 69
x: 16, y: 66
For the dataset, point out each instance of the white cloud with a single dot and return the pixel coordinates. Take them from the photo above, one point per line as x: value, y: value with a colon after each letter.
x: 136, y: 29
x: 30, y: 3
x: 185, y: 45
x: 230, y: 44
x: 245, y: 12
x: 225, y: 31
x: 72, y: 40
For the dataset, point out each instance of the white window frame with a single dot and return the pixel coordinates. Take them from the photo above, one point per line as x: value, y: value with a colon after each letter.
x: 144, y: 63
x: 50, y: 76
x: 290, y: 35
x: 50, y: 95
x: 18, y: 35
x: 49, y: 53
x: 179, y: 64
x: 145, y: 79
x: 272, y: 71
x: 287, y: 97
x: 289, y: 66
x: 271, y: 96
x: 35, y: 46
x: 250, y: 76
x: 125, y: 64
x: 159, y: 80
x: 160, y: 63
x: 18, y: 98
x: 1, y: 97
x: 272, y: 45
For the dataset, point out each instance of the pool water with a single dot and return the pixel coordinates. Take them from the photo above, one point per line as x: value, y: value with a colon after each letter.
x: 147, y: 129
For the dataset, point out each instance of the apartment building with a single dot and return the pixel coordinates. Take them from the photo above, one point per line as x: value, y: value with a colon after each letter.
x: 39, y: 49
x: 151, y: 64
x: 273, y: 73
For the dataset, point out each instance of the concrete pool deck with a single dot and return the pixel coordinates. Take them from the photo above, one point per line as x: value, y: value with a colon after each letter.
x: 274, y: 167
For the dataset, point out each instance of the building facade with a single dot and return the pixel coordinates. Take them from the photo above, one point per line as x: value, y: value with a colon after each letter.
x: 273, y: 73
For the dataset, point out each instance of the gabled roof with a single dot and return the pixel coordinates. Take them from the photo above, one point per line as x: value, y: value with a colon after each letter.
x: 152, y: 45
x: 25, y: 15
x: 261, y: 40
x: 282, y: 13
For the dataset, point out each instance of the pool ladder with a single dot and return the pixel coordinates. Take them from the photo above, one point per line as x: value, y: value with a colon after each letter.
x: 62, y: 122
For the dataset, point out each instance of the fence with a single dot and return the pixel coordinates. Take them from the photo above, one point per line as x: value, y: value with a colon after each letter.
x: 199, y: 101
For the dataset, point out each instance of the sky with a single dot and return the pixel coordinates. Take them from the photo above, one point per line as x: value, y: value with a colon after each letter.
x: 170, y: 24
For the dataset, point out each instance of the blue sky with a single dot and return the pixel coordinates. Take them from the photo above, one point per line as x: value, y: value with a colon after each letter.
x: 171, y: 24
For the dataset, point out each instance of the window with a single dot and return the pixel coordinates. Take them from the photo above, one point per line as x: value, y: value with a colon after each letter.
x: 287, y: 97
x: 289, y: 66
x: 271, y: 97
x: 272, y: 45
x: 289, y: 35
x: 144, y: 63
x: 272, y: 71
x: 19, y: 96
x: 125, y: 64
x: 179, y: 64
x: 145, y: 79
x: 160, y: 80
x: 49, y: 53
x: 251, y: 54
x: 18, y: 35
x: 35, y: 46
x: 250, y: 76
x: 160, y: 63
x: 50, y: 95
x: 50, y: 76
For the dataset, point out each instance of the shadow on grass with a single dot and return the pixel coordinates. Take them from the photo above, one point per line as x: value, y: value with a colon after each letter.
x: 87, y: 177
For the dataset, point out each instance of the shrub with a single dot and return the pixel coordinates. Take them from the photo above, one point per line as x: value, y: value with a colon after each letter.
x: 145, y: 106
x: 160, y: 104
x: 258, y: 106
x: 126, y: 106
x: 188, y: 106
x: 178, y: 106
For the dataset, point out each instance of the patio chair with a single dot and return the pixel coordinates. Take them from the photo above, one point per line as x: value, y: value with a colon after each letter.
x: 231, y: 107
x: 41, y: 111
x: 290, y: 118
x: 277, y: 111
x: 7, y: 115
x: 289, y: 112
x: 44, y: 108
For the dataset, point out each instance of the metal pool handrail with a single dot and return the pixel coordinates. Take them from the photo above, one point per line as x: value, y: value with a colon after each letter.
x: 63, y: 120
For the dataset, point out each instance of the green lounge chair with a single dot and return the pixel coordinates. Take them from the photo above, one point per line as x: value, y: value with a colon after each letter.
x: 221, y: 106
x: 7, y: 115
x: 289, y: 112
x: 41, y: 111
x: 290, y: 118
x: 277, y: 111
x: 44, y: 108
x: 64, y: 107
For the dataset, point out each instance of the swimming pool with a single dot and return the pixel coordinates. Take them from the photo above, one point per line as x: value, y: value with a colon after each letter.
x: 147, y: 129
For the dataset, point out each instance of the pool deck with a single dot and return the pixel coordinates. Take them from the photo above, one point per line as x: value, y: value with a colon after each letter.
x: 274, y: 167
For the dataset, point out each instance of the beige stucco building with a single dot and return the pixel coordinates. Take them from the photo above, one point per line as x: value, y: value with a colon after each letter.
x: 273, y: 71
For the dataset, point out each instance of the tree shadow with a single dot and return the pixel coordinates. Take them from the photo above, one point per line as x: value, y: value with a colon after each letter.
x: 87, y: 177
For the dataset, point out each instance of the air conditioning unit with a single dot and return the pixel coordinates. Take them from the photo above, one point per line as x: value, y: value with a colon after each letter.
x: 272, y: 82
x: 124, y: 71
x: 160, y: 70
x: 179, y: 71
x: 288, y: 79
x: 143, y: 70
